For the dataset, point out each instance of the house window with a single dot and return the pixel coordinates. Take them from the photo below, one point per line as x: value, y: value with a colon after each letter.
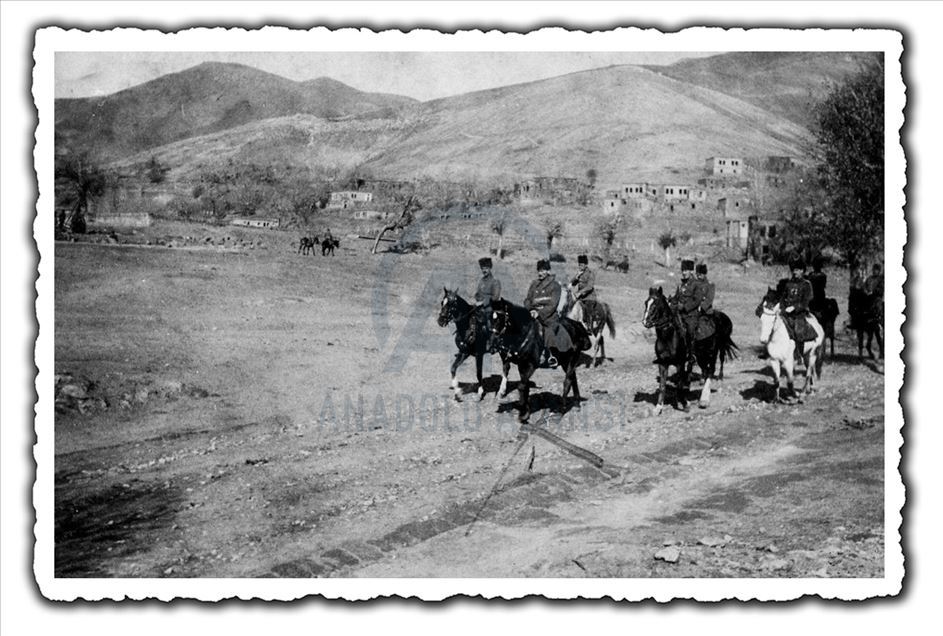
x: 772, y: 231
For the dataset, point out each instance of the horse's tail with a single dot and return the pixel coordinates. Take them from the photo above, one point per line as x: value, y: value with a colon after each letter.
x: 726, y: 346
x: 610, y: 321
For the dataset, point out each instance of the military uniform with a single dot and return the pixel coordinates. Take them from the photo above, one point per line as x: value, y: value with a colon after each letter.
x: 489, y: 290
x: 705, y: 321
x: 796, y: 293
x: 543, y: 296
x: 585, y: 283
x: 687, y: 301
x: 874, y: 300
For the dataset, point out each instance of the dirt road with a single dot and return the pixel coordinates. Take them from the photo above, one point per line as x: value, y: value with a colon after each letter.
x: 258, y: 413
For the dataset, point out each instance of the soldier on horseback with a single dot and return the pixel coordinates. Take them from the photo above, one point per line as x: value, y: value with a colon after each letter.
x: 543, y: 299
x: 795, y: 294
x: 687, y: 302
x: 819, y: 281
x: 585, y: 284
x: 489, y: 290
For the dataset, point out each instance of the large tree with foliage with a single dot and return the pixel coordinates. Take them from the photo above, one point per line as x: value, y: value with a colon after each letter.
x: 850, y: 135
x: 79, y: 179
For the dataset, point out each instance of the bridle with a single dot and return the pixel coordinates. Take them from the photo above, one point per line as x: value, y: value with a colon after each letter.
x: 505, y: 323
x: 647, y: 321
x: 452, y: 317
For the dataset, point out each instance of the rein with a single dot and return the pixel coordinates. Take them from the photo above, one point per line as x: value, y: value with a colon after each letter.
x: 664, y: 322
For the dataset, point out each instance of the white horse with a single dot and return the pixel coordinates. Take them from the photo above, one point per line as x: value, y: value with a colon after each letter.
x: 595, y: 325
x: 781, y: 348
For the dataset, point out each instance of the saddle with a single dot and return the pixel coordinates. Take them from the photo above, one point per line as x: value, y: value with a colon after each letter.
x: 799, y: 328
x: 565, y: 334
x: 706, y: 327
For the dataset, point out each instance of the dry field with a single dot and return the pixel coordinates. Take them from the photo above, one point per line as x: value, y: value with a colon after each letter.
x: 258, y: 413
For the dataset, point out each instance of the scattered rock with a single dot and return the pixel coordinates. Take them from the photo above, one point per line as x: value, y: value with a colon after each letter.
x: 669, y: 554
x: 712, y: 542
x: 73, y: 391
x: 776, y: 564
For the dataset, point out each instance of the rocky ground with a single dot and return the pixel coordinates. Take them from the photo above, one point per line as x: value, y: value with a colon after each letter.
x: 257, y: 413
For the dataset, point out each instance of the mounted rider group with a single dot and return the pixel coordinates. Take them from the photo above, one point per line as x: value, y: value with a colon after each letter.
x: 689, y: 330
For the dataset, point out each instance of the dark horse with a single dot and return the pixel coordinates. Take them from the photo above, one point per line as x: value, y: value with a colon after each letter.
x: 457, y: 310
x: 306, y: 245
x: 328, y: 245
x: 672, y: 349
x: 867, y: 318
x: 518, y: 339
x: 826, y: 315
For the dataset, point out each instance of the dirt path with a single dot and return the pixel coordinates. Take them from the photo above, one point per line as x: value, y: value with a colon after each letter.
x: 264, y: 414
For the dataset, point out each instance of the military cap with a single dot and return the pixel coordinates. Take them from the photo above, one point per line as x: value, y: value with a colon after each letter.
x: 582, y: 259
x: 687, y: 265
x: 543, y: 264
x: 484, y: 262
x: 701, y: 268
x: 797, y: 263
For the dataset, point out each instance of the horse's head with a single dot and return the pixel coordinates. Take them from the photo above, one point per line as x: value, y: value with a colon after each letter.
x: 448, y: 307
x: 769, y: 312
x: 656, y: 308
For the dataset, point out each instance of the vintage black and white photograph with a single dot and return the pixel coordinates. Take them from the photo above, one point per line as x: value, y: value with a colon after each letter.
x: 440, y: 314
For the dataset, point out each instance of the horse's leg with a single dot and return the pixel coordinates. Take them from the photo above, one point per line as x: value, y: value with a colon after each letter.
x: 459, y: 359
x: 809, y: 370
x: 574, y: 382
x: 860, y: 343
x: 774, y: 365
x: 705, y: 399
x: 479, y: 358
x: 880, y: 339
x: 662, y: 382
x: 683, y: 386
x: 505, y: 369
x: 565, y: 364
x: 525, y: 370
x: 789, y: 366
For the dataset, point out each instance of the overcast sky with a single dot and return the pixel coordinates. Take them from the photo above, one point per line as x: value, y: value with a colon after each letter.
x: 420, y: 75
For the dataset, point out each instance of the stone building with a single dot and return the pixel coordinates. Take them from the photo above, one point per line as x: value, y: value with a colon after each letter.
x: 724, y: 166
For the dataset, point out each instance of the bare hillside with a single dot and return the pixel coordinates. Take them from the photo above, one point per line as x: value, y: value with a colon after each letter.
x: 624, y: 122
x: 621, y: 121
x: 205, y: 99
x: 788, y: 84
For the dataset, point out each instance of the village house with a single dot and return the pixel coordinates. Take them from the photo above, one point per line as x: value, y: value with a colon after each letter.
x: 348, y: 199
x: 255, y: 222
x: 735, y: 207
x: 552, y: 189
x: 724, y: 166
x: 779, y: 164
x: 698, y: 195
x: 633, y: 190
x: 674, y: 192
x: 737, y: 233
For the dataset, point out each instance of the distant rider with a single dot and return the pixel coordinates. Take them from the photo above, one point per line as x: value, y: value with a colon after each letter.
x: 585, y: 284
x: 819, y: 281
x: 489, y: 290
